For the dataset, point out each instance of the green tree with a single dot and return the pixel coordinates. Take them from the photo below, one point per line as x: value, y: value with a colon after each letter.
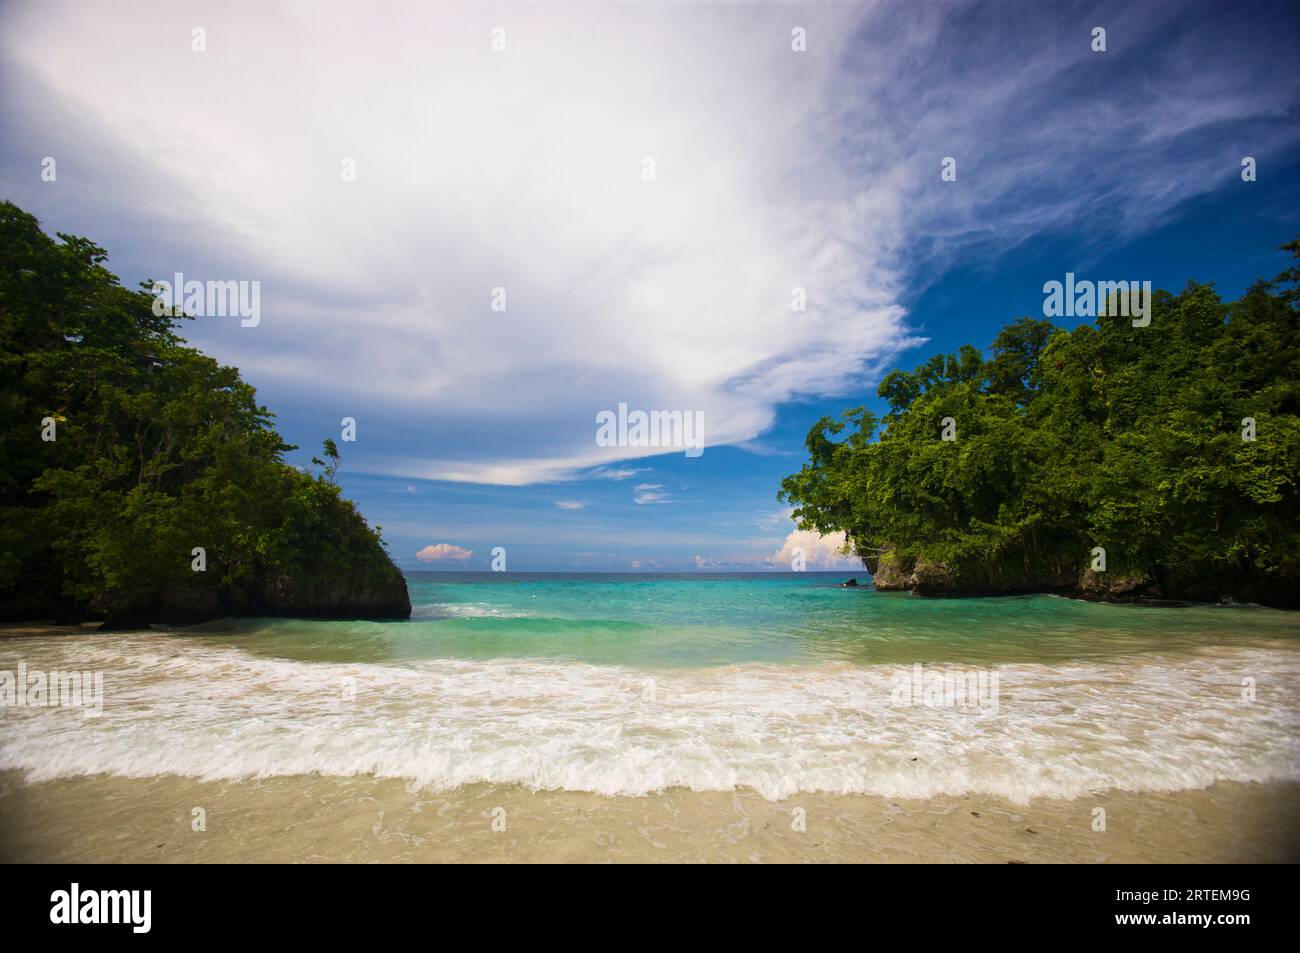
x: 1131, y: 439
x: 156, y: 450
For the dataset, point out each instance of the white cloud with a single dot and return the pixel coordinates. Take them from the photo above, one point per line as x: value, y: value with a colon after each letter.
x: 443, y: 551
x: 570, y: 504
x: 819, y: 552
x: 477, y: 170
x: 522, y: 170
x: 774, y: 520
x: 646, y: 493
x: 615, y: 473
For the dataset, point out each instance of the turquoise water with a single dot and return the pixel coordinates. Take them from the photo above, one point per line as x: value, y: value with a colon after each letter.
x: 692, y: 620
x: 625, y: 685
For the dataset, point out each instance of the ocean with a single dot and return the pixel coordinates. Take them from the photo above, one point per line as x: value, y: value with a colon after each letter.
x: 768, y: 687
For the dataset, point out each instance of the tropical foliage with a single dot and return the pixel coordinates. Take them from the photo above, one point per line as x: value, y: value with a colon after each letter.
x: 122, y: 450
x: 1131, y: 439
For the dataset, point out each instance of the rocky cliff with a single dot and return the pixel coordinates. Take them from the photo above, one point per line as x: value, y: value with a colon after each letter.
x: 892, y: 573
x: 357, y: 581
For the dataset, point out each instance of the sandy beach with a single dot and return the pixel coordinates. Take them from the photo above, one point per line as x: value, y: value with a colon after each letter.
x: 315, y: 819
x: 1118, y: 736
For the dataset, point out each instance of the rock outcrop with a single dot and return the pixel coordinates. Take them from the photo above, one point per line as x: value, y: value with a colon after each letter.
x: 372, y: 592
x: 365, y: 595
x: 893, y: 573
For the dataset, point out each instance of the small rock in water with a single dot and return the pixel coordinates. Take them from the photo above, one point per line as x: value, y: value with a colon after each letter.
x: 851, y: 582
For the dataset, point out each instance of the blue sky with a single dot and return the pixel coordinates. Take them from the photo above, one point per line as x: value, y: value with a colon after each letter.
x: 524, y: 168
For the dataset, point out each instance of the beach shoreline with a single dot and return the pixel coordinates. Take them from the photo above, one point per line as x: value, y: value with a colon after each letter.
x: 317, y: 819
x: 531, y: 721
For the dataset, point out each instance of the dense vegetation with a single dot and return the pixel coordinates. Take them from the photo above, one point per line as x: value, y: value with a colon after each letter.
x: 157, y: 450
x: 1125, y: 438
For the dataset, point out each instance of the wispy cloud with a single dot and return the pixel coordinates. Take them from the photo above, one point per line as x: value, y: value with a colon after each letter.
x: 570, y: 504
x: 615, y: 473
x: 646, y: 493
x: 774, y: 520
x: 524, y: 170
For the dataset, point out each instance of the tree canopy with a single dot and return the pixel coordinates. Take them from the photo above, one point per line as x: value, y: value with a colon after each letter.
x: 1174, y: 447
x: 122, y: 450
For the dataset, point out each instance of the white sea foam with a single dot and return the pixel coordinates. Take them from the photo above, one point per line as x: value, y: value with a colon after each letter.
x: 462, y: 610
x: 180, y: 706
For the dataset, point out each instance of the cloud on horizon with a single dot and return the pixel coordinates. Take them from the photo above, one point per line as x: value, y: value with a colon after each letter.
x: 442, y: 551
x: 819, y: 552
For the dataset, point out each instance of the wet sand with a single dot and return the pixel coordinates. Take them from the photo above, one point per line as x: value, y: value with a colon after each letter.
x: 323, y: 819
